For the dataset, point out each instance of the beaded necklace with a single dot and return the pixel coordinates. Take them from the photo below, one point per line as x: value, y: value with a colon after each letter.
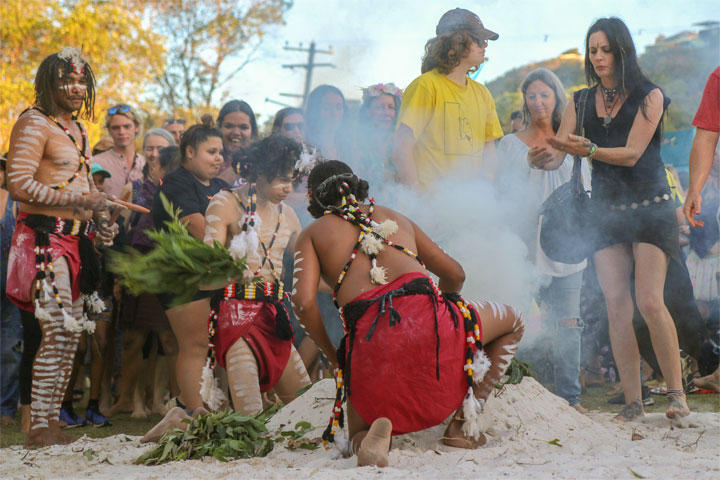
x: 371, y: 240
x: 609, y: 101
x: 84, y: 157
x: 249, y: 222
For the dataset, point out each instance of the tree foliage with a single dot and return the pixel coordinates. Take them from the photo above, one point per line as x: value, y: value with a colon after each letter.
x: 125, y: 55
x: 208, y: 44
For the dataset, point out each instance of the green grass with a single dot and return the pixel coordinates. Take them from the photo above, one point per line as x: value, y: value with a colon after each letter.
x: 593, y: 398
x: 121, y: 423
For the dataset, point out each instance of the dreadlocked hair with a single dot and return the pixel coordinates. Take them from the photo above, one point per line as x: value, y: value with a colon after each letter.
x: 197, y: 134
x: 47, y: 83
x: 446, y: 51
x: 271, y: 157
x: 324, y: 184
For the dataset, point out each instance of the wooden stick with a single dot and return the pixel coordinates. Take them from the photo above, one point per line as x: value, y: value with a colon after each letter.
x: 118, y: 211
x: 131, y: 206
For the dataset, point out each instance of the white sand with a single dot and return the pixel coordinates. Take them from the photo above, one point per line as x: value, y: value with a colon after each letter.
x: 519, y: 422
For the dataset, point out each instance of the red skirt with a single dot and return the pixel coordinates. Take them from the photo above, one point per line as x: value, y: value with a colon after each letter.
x: 254, y: 321
x: 21, y: 263
x: 394, y: 373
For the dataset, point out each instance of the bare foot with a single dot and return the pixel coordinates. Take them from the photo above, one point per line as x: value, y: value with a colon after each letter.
x: 24, y: 418
x: 6, y: 421
x: 118, y: 408
x: 173, y: 419
x: 40, y: 437
x: 677, y: 407
x: 580, y: 408
x: 199, y: 411
x: 709, y: 382
x: 62, y: 437
x: 455, y: 437
x: 375, y: 447
x: 631, y: 412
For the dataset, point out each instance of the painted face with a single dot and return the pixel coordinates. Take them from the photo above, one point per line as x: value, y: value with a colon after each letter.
x: 331, y: 110
x: 276, y: 190
x: 237, y: 131
x: 176, y: 129
x: 153, y: 144
x: 540, y: 100
x: 382, y: 111
x: 122, y: 130
x: 71, y: 92
x: 293, y: 126
x: 205, y: 161
x: 601, y: 57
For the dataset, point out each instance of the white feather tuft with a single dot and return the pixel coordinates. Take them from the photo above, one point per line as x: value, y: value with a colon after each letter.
x: 94, y: 303
x: 209, y: 389
x: 71, y: 323
x: 378, y: 275
x: 89, y: 325
x: 385, y: 228
x: 371, y: 245
x: 47, y: 289
x: 472, y: 412
x: 481, y: 365
x: 41, y: 314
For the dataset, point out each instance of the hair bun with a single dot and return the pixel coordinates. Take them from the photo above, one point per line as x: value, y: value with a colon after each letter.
x: 207, y: 120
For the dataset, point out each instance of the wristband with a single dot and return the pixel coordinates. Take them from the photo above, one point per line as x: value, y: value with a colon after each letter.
x: 592, y: 151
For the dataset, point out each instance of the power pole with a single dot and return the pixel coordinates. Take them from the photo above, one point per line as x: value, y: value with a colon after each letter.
x: 309, y: 66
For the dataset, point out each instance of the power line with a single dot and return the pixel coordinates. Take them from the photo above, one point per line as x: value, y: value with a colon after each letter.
x: 309, y: 66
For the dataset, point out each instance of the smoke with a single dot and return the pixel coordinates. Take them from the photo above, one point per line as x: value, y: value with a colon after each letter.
x: 464, y: 216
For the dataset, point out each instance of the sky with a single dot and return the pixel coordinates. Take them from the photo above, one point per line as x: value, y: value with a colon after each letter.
x: 382, y: 41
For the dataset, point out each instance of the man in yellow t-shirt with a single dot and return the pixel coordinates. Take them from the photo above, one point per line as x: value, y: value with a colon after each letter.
x: 447, y: 122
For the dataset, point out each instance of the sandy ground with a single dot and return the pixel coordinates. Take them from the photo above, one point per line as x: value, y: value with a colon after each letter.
x: 520, y: 423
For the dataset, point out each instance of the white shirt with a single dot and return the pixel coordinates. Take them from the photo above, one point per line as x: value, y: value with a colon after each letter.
x: 526, y: 189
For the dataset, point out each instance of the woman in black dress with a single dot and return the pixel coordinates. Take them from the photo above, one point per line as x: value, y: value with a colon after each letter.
x: 634, y: 225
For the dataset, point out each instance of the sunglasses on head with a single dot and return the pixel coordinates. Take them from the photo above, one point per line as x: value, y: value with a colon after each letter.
x: 169, y: 121
x: 119, y: 108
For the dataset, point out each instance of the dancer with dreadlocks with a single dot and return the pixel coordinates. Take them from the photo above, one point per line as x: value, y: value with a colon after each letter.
x: 249, y: 328
x: 413, y: 352
x: 53, y: 266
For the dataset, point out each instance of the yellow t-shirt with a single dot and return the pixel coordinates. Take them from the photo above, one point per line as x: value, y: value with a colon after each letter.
x: 450, y: 123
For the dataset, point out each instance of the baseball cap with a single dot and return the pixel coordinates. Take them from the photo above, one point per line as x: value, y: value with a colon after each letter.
x: 460, y: 19
x: 97, y: 168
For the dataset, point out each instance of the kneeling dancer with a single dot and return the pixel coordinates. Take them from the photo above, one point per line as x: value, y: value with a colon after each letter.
x: 53, y: 267
x: 249, y: 328
x: 413, y: 353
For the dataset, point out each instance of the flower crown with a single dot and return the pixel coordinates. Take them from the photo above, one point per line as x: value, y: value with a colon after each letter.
x: 381, y: 88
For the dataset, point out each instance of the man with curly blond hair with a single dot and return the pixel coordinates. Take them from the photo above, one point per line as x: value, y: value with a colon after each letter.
x: 447, y: 121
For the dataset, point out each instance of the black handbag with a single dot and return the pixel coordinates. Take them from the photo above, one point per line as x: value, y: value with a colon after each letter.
x: 564, y: 214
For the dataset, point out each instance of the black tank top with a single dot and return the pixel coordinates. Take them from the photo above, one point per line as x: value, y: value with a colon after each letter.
x: 614, y: 182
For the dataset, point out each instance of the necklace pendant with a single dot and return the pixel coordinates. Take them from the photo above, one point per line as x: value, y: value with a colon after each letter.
x: 607, y: 120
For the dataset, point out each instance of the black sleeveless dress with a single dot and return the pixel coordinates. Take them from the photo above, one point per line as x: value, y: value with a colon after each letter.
x: 629, y: 204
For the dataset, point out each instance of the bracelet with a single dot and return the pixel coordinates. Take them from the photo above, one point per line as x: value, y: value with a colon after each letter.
x: 593, y: 150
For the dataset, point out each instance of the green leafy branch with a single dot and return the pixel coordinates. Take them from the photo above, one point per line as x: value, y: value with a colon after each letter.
x: 178, y: 263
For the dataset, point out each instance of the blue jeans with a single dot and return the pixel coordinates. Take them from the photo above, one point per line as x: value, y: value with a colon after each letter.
x: 560, y: 303
x: 10, y: 354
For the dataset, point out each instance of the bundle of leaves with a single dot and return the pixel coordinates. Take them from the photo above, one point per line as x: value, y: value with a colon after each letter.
x: 515, y: 373
x: 178, y: 264
x: 223, y: 435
